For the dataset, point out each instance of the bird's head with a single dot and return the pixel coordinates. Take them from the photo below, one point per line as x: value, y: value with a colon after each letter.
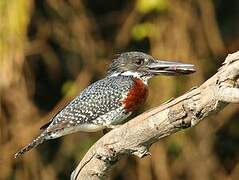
x: 144, y: 66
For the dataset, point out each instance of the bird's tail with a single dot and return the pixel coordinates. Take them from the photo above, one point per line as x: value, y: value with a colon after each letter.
x: 39, y: 140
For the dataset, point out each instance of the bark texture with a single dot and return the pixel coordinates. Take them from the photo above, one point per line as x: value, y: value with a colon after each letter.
x: 137, y: 135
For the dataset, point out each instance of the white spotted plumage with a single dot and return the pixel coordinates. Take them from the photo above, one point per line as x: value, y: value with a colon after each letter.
x: 99, y: 106
x: 109, y: 101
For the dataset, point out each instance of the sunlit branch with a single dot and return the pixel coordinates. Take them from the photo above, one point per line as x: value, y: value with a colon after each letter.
x: 136, y: 136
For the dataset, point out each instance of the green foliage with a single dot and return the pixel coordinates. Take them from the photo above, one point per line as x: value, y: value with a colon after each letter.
x: 146, y: 6
x: 68, y: 88
x: 141, y: 31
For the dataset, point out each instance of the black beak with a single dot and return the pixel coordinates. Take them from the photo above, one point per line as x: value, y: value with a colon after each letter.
x: 158, y: 67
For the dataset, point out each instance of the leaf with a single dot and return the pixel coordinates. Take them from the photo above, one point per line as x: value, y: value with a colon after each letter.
x: 68, y: 88
x: 146, y: 6
x: 141, y: 31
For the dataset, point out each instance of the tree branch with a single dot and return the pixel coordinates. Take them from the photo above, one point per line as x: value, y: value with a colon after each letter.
x: 137, y: 135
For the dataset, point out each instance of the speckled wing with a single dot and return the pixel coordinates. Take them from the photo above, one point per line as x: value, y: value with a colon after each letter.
x: 99, y: 104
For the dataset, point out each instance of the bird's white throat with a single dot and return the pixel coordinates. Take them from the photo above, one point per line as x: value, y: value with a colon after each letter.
x: 135, y: 75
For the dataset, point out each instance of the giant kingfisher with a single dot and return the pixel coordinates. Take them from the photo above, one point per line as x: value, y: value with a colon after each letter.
x: 111, y: 100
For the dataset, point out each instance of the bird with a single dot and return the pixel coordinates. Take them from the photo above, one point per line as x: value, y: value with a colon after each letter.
x: 108, y: 102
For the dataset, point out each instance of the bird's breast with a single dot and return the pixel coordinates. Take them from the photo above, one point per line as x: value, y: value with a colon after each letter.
x: 136, y: 96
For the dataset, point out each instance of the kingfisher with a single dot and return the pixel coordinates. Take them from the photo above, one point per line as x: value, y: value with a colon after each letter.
x: 108, y: 102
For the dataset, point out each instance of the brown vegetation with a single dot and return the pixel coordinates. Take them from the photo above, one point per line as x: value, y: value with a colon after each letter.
x: 50, y: 50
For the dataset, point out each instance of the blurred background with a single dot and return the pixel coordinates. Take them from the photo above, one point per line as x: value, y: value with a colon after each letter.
x: 51, y: 49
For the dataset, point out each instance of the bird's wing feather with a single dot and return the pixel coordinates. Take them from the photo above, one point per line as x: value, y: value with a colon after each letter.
x: 44, y: 126
x: 97, y: 100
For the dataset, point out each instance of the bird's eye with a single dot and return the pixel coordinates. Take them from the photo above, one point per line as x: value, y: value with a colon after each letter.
x: 139, y: 61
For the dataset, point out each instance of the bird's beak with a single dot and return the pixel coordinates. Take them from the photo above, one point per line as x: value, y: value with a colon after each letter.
x: 158, y: 67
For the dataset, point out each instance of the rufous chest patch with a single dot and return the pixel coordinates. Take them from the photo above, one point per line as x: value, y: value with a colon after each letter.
x: 136, y: 95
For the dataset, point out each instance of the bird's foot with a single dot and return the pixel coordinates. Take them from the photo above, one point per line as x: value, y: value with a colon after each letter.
x: 105, y: 131
x: 113, y: 126
x: 109, y: 128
